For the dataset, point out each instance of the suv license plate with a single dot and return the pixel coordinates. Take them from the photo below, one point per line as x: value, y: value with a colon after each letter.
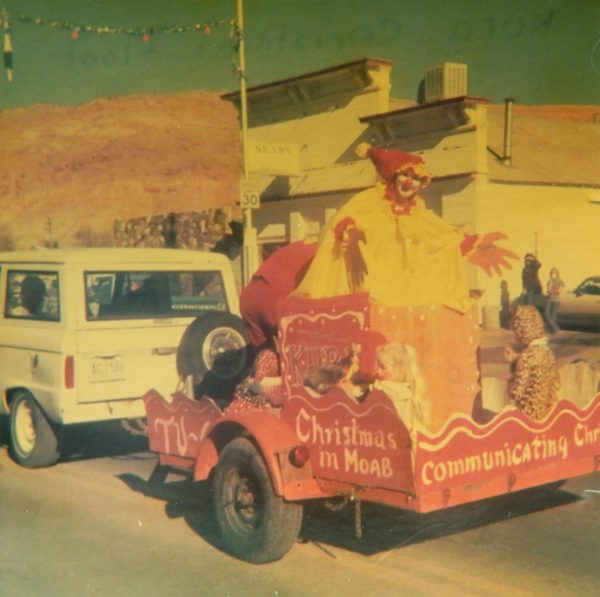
x: 107, y: 369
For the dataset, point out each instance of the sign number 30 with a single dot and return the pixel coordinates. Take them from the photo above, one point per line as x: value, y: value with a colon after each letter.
x: 249, y: 198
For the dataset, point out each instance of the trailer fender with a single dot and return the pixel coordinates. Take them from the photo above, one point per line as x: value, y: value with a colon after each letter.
x: 206, y: 460
x: 274, y: 438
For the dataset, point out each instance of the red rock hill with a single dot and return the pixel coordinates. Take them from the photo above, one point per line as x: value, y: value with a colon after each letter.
x: 114, y: 158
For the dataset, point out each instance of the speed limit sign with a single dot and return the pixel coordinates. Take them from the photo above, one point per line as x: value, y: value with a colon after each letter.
x: 249, y: 195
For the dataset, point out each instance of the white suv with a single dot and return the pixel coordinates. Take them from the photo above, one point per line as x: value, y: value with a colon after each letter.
x: 84, y: 333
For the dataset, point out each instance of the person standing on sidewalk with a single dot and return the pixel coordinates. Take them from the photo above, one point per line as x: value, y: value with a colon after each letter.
x: 554, y: 287
x: 530, y: 277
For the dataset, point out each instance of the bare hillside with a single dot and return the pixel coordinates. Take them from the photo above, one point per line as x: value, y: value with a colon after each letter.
x: 114, y: 158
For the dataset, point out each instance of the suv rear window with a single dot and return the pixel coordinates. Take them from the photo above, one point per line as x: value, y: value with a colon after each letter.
x: 32, y: 295
x: 135, y: 294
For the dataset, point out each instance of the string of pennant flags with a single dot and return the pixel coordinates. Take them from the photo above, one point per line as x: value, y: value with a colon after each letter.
x: 75, y: 30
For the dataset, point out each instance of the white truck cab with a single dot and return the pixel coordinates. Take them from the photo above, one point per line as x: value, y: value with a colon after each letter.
x: 85, y: 332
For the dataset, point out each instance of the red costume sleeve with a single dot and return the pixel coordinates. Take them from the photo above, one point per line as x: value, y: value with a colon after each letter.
x: 468, y: 243
x: 284, y: 269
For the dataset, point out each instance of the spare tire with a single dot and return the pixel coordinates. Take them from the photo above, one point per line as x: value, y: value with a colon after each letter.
x: 214, y: 350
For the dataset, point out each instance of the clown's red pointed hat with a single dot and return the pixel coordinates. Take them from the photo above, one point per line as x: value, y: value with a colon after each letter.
x: 388, y: 162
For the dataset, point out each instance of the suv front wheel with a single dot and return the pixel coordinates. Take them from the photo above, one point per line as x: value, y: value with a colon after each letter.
x: 33, y: 440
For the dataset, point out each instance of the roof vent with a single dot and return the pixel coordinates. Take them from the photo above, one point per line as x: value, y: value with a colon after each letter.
x: 445, y: 81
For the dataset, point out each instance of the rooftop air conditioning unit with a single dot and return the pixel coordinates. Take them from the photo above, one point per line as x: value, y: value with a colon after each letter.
x: 445, y: 81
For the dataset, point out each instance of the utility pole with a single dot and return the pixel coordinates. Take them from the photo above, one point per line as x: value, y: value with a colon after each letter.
x: 49, y: 232
x: 250, y: 254
x: 243, y: 94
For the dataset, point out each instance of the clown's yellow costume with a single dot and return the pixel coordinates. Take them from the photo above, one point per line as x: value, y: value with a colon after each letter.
x: 411, y: 262
x: 412, y: 258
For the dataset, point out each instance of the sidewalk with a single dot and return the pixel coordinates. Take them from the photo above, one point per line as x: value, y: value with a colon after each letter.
x: 566, y: 346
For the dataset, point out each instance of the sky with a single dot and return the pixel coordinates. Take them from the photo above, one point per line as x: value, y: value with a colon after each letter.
x: 537, y: 51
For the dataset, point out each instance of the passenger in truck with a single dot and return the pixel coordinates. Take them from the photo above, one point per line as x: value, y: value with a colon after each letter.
x: 33, y: 293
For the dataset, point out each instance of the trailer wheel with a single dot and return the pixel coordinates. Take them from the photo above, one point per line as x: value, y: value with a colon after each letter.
x: 214, y: 351
x: 257, y: 525
x: 33, y: 441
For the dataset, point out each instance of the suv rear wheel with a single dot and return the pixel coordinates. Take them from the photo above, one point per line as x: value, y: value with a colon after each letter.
x: 33, y: 441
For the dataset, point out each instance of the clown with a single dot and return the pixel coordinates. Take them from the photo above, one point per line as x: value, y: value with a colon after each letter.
x: 385, y: 242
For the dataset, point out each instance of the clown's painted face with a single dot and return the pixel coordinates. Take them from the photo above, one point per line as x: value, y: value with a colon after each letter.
x: 408, y: 183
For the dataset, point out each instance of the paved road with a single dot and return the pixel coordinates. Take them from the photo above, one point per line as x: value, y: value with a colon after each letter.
x: 95, y: 526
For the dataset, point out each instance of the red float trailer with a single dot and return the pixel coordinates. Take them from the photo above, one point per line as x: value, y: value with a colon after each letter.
x: 270, y: 455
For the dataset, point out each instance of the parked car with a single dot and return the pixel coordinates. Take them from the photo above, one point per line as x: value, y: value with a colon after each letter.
x: 580, y: 308
x: 85, y: 332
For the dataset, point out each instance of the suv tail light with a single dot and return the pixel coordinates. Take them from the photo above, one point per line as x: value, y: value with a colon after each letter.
x: 69, y: 372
